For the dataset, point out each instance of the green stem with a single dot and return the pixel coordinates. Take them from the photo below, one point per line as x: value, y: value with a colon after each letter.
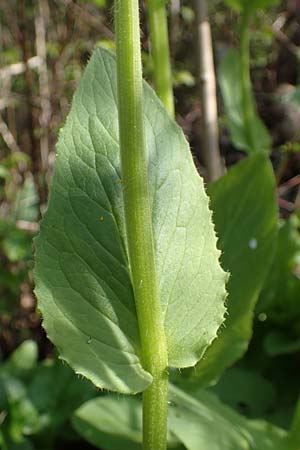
x: 160, y: 51
x: 139, y: 223
x: 247, y: 101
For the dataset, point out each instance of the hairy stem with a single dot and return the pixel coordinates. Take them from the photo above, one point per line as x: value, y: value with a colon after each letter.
x: 139, y: 223
x: 160, y: 52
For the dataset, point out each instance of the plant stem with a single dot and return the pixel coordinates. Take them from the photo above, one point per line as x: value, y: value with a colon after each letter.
x: 247, y: 101
x: 210, y: 129
x: 139, y: 223
x: 160, y: 51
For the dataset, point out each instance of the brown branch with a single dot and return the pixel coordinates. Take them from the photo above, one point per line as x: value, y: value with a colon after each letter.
x: 282, y: 37
x: 284, y: 204
x: 290, y: 184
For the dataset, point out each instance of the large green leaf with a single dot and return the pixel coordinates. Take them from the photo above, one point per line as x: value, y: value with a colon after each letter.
x: 245, y: 215
x: 253, y: 139
x: 204, y: 422
x: 113, y: 423
x: 82, y: 276
x: 198, y: 422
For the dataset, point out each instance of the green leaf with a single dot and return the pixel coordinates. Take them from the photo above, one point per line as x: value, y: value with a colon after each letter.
x: 204, y: 422
x: 56, y: 392
x: 112, y: 423
x: 26, y: 203
x: 252, y: 5
x: 16, y: 158
x: 82, y: 274
x: 99, y: 3
x: 198, y: 422
x: 21, y: 444
x: 252, y: 395
x: 4, y: 172
x: 22, y: 361
x: 279, y: 343
x: 20, y: 415
x: 255, y: 139
x: 245, y: 215
x: 16, y: 245
x: 279, y: 298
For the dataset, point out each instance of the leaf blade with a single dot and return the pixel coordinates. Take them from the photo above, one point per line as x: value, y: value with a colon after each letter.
x: 203, y: 420
x: 231, y: 88
x: 83, y: 279
x: 247, y: 228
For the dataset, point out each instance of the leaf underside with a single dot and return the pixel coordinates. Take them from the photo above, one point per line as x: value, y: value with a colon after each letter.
x: 83, y: 281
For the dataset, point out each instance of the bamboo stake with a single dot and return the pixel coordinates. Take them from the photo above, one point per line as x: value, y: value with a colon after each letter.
x: 207, y: 78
